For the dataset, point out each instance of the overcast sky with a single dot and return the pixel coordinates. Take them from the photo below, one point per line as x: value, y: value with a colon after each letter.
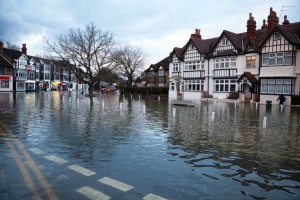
x: 157, y: 26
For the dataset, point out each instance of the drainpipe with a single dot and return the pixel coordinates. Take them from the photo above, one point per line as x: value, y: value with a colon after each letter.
x: 208, y: 78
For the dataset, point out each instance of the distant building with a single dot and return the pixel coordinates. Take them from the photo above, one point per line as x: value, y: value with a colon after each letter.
x: 157, y: 75
x: 21, y: 72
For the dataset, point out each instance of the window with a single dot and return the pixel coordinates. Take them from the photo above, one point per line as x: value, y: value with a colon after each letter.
x: 31, y: 74
x: 250, y: 61
x: 194, y: 85
x: 225, y: 63
x: 277, y: 35
x: 277, y: 59
x: 161, y: 72
x: 4, y: 84
x: 225, y: 85
x: 224, y: 41
x: 176, y: 67
x: 194, y: 65
x: 277, y: 85
x: 172, y: 86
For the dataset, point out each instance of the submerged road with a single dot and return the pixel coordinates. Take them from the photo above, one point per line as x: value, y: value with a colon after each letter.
x: 22, y: 178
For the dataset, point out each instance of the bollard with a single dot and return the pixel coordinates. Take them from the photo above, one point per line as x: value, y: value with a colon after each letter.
x: 256, y: 106
x: 102, y: 104
x: 265, y: 122
x: 144, y: 109
x: 121, y: 106
x: 131, y: 96
x: 281, y: 108
x: 158, y: 98
x: 174, y: 112
x: 212, y: 116
x: 139, y: 97
x: 235, y: 104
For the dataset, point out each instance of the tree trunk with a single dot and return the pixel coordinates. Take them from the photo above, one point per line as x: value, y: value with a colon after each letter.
x: 91, y: 89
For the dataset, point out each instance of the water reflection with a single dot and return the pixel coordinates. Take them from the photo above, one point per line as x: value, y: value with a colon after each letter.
x: 187, y: 156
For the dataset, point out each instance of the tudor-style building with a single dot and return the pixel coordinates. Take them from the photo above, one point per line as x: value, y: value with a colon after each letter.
x: 157, y: 75
x: 258, y: 64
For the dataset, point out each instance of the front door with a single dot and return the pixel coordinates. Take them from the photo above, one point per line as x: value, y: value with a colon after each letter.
x: 247, y: 93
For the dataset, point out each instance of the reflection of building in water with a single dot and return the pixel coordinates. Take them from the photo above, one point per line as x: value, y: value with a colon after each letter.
x: 237, y: 128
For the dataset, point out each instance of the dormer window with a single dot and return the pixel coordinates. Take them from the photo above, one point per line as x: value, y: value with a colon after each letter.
x: 277, y: 35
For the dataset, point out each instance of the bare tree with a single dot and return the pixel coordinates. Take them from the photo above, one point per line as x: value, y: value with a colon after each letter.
x: 130, y: 61
x: 10, y: 45
x: 90, y: 50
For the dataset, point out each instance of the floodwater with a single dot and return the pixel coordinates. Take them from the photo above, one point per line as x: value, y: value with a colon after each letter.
x: 183, y: 153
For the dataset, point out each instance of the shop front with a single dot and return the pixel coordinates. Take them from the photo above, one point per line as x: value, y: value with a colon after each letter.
x: 6, y: 83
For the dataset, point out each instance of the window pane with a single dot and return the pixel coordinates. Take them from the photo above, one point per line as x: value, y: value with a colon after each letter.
x: 264, y: 89
x: 265, y: 62
x: 271, y: 81
x: 278, y: 89
x: 287, y: 81
x: 272, y: 61
x: 279, y: 81
x: 288, y: 60
x: 271, y: 89
x: 286, y: 89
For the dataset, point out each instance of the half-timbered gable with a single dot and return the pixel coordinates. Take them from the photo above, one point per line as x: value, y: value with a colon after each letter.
x: 277, y: 50
x: 227, y: 44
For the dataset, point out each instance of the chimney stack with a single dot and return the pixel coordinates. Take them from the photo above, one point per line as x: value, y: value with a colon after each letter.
x: 251, y: 26
x: 24, y: 49
x: 285, y: 21
x: 1, y: 46
x: 264, y: 26
x: 272, y: 19
x: 196, y: 34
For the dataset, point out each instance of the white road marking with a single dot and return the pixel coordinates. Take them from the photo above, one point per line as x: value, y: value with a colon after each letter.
x: 56, y: 159
x: 116, y: 184
x: 93, y: 194
x: 81, y: 170
x: 153, y: 197
x: 36, y: 150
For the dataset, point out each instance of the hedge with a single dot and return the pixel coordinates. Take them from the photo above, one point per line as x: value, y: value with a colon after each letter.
x: 144, y: 90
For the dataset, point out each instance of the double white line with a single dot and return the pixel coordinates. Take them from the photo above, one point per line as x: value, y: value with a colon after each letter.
x: 5, y: 132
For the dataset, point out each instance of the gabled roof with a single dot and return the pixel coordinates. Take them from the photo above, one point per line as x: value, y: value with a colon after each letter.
x: 12, y: 54
x: 163, y: 63
x: 290, y: 31
x: 36, y: 59
x: 202, y: 46
x: 177, y: 52
x: 234, y: 38
x: 248, y: 76
x: 5, y: 61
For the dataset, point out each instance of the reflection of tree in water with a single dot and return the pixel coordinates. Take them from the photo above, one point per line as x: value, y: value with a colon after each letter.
x: 236, y: 147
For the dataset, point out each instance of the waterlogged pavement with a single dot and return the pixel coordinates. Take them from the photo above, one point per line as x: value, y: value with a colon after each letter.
x: 62, y: 145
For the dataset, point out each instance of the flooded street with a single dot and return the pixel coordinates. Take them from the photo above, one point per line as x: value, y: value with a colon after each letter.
x: 187, y: 153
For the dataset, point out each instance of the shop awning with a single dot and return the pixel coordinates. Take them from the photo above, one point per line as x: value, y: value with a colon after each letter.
x: 30, y: 81
x: 55, y: 83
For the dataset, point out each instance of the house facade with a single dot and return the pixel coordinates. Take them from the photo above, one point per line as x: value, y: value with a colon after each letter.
x: 21, y: 72
x: 6, y: 71
x: 259, y: 64
x: 157, y: 75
